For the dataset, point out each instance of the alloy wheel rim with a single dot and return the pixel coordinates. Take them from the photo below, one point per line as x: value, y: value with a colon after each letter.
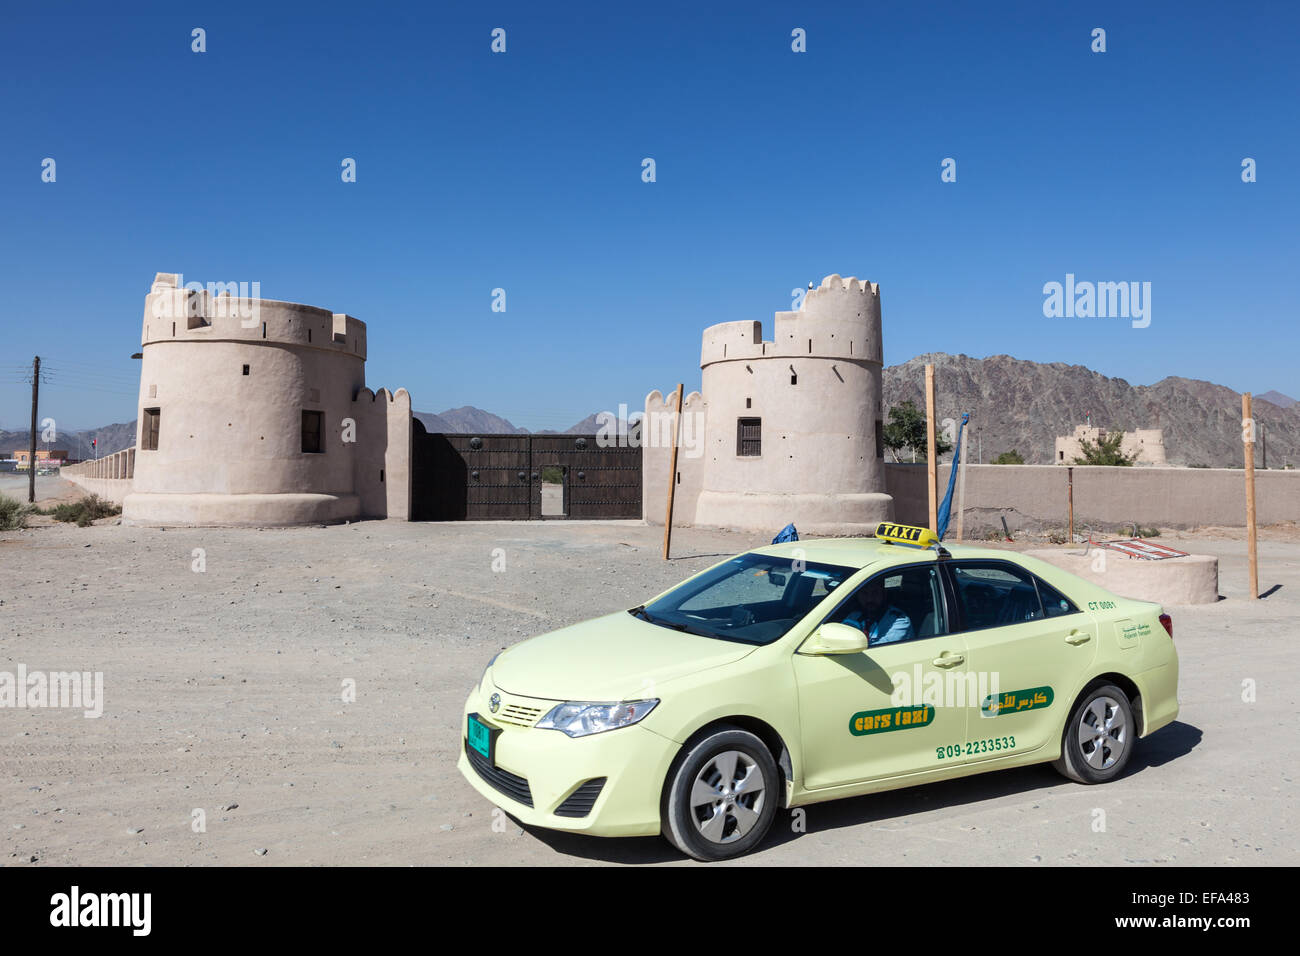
x: 1103, y: 733
x: 726, y: 797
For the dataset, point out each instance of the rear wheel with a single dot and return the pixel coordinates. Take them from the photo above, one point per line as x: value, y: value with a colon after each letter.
x: 1099, y: 736
x: 721, y: 796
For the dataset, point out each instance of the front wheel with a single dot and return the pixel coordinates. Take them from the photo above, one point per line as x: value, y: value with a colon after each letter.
x: 721, y: 796
x: 1099, y: 736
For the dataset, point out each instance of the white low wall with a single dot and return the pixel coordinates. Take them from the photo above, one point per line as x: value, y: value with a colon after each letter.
x: 110, y: 477
x: 110, y: 489
x: 1034, y: 497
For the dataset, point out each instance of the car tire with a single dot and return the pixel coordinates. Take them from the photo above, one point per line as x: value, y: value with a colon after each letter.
x: 739, y: 769
x: 1099, y: 736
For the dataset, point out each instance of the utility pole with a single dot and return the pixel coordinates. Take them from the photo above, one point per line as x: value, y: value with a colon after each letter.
x: 31, y: 438
x: 1248, y: 442
x: 672, y: 473
x: 931, y: 459
x: 1069, y: 507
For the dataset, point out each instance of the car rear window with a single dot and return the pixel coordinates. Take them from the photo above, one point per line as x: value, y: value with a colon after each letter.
x: 994, y: 594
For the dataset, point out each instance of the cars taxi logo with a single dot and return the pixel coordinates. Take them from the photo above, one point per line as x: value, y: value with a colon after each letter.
x: 494, y: 703
x: 1016, y: 701
x: 906, y: 534
x: 891, y: 718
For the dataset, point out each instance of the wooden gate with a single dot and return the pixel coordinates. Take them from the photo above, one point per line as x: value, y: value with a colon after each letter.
x: 481, y: 477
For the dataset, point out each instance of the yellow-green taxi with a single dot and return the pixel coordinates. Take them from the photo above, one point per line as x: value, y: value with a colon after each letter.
x: 810, y: 671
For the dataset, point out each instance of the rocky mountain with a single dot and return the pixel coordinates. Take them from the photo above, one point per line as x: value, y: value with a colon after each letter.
x: 594, y: 422
x: 77, y: 443
x: 1277, y: 398
x: 1022, y: 405
x: 467, y: 418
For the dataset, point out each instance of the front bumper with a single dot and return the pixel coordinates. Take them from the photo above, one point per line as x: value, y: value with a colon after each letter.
x: 548, y: 767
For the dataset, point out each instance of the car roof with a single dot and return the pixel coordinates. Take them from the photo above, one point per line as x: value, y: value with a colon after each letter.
x: 861, y: 552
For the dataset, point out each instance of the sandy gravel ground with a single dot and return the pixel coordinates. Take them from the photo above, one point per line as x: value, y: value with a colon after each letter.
x: 223, y: 689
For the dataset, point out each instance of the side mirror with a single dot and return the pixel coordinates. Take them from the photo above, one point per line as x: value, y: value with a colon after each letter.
x: 835, y: 639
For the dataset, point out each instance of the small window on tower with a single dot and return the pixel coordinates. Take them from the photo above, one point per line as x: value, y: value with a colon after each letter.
x: 749, y: 437
x: 311, y: 433
x: 245, y: 369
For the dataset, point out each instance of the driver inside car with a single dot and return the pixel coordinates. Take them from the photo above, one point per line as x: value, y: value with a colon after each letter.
x: 882, y: 622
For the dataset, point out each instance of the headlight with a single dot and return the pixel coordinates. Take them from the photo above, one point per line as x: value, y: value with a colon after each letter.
x: 578, y: 719
x: 488, y: 668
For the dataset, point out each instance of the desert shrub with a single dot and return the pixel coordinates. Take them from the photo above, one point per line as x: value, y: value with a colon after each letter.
x: 85, y: 511
x: 13, y: 514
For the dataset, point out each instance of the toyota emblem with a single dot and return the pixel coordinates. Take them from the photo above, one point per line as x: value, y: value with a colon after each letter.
x: 494, y: 703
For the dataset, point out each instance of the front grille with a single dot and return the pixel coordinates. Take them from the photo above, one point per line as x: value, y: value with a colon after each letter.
x: 516, y: 788
x: 581, y: 800
x: 519, y: 715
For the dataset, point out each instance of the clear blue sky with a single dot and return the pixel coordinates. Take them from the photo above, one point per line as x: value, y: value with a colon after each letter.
x: 523, y: 171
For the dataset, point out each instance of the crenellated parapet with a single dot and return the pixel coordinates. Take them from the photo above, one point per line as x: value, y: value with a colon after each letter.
x: 222, y: 312
x: 840, y: 319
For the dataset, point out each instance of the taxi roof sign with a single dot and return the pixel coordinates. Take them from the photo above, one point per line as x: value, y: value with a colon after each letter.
x: 906, y: 534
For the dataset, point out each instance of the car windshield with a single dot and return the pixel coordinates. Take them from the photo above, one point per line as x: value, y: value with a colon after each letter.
x: 752, y: 599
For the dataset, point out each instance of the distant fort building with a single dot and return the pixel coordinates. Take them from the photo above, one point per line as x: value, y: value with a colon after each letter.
x: 256, y: 412
x: 52, y: 456
x: 792, y: 426
x: 1145, y: 445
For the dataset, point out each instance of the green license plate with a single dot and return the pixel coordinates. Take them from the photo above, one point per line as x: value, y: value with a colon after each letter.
x: 479, y: 736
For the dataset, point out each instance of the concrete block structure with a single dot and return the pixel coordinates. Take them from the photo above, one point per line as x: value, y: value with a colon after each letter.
x: 1145, y: 445
x: 792, y: 426
x: 256, y: 412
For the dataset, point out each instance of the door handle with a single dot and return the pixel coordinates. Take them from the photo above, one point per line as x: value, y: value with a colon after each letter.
x: 949, y: 660
x: 1078, y: 637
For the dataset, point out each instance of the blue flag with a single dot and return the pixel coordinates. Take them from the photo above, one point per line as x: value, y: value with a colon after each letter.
x: 945, y: 509
x: 787, y: 534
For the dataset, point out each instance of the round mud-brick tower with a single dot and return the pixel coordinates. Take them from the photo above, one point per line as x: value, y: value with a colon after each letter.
x: 242, y: 408
x: 793, y: 425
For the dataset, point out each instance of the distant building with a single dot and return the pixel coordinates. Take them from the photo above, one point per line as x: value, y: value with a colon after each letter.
x: 1145, y: 445
x: 44, y: 457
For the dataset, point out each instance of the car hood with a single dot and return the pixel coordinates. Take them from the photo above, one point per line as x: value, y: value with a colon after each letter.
x: 610, y: 658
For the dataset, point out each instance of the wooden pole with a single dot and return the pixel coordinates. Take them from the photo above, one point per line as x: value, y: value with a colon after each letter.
x: 931, y: 459
x: 961, y: 488
x: 1069, y: 478
x: 672, y: 474
x: 31, y: 457
x: 1248, y: 443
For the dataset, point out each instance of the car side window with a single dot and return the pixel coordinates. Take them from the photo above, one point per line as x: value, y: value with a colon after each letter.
x: 995, y: 594
x: 1055, y: 603
x: 901, y: 604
